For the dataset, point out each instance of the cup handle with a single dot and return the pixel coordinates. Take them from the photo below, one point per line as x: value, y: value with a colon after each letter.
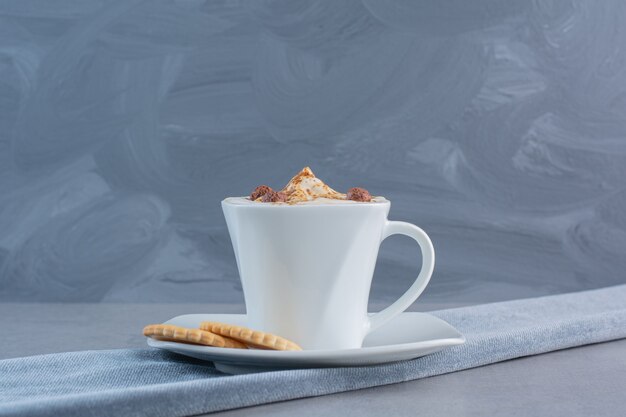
x: 428, y: 263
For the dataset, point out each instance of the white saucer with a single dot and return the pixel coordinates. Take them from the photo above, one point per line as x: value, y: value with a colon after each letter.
x: 408, y: 336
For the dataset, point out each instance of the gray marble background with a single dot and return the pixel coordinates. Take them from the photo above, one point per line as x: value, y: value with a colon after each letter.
x: 499, y: 126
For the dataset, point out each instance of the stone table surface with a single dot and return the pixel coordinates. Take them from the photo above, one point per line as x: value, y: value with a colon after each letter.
x: 584, y: 381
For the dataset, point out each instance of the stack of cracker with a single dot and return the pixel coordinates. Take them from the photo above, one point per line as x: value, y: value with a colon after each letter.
x: 219, y: 335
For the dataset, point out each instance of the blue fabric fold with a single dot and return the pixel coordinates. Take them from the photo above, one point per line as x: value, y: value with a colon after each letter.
x: 150, y: 382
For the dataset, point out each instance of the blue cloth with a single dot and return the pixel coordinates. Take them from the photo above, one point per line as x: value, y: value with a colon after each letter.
x: 150, y: 382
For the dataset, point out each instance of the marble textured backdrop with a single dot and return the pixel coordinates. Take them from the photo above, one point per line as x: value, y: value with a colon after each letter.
x: 499, y: 126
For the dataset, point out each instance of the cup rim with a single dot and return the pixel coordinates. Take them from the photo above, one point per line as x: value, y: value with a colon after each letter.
x: 284, y: 206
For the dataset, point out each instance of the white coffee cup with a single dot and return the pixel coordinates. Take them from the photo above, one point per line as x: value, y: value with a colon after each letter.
x: 306, y: 270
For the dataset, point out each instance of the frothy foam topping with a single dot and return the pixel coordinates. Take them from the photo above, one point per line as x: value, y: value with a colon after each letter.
x: 305, y: 186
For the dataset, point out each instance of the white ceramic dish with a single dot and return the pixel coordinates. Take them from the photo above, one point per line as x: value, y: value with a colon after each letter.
x: 407, y: 336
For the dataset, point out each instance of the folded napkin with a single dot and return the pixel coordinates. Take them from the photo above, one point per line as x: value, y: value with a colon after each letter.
x: 150, y: 382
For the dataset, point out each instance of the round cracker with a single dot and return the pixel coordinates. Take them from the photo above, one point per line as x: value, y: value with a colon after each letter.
x: 252, y: 338
x: 171, y: 333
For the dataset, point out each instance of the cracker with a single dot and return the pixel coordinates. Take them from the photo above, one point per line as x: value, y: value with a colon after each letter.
x: 252, y: 338
x: 171, y: 333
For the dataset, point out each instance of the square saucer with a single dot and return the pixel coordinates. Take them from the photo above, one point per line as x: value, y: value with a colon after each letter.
x: 407, y: 336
